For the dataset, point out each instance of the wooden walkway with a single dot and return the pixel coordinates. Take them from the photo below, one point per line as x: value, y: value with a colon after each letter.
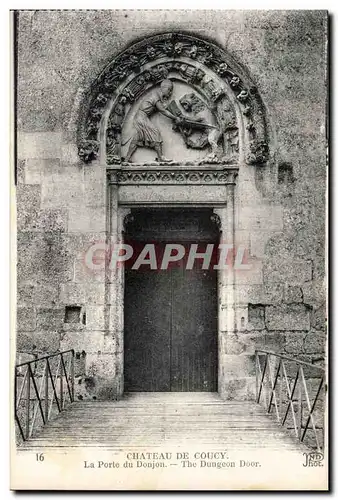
x: 142, y: 420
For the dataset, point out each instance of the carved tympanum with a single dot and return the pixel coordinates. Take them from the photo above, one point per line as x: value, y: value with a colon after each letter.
x: 214, y: 84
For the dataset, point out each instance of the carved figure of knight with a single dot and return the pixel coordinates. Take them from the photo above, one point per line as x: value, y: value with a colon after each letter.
x: 146, y: 134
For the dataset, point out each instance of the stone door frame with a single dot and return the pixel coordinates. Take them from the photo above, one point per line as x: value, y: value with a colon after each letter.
x: 119, y: 207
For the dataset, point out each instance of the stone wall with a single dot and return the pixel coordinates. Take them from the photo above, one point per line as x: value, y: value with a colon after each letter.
x: 61, y: 203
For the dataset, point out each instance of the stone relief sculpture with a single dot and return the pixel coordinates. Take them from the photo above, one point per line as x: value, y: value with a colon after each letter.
x: 145, y: 132
x: 201, y: 65
x: 185, y: 114
x: 114, y: 131
x: 197, y: 133
x: 230, y: 130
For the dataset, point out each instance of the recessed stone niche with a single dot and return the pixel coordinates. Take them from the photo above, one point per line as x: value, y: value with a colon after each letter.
x: 75, y: 314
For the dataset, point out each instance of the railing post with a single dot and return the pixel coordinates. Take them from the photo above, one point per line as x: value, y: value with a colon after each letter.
x: 28, y: 399
x: 46, y: 391
x: 300, y: 409
x: 73, y: 373
x: 256, y: 360
x: 61, y: 383
x: 15, y: 389
x: 281, y: 388
x: 266, y: 392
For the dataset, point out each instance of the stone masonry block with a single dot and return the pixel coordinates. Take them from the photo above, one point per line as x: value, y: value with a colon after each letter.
x: 95, y: 293
x: 237, y: 389
x: 238, y: 366
x: 315, y: 342
x: 103, y: 365
x: 95, y: 317
x: 261, y: 218
x: 75, y: 245
x: 252, y: 276
x: 287, y: 317
x: 269, y: 293
x: 294, y: 343
x: 69, y: 153
x: 258, y: 240
x: 72, y: 293
x: 47, y: 341
x: 35, y: 168
x: 110, y: 344
x: 50, y: 319
x: 43, y: 257
x: 318, y: 320
x: 28, y: 198
x: 32, y: 171
x: 62, y: 186
x: 241, y: 317
x: 36, y: 294
x: 39, y: 145
x: 293, y: 271
x: 23, y: 357
x: 25, y: 343
x: 274, y: 342
x: 314, y: 292
x: 83, y: 274
x: 95, y: 185
x: 20, y: 171
x: 26, y: 319
x: 233, y: 345
x: 87, y: 219
x: 50, y: 220
x: 44, y: 220
x: 90, y: 342
x: 292, y: 294
x: 248, y: 342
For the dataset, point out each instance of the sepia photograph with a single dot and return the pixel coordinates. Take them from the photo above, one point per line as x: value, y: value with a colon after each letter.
x: 170, y: 265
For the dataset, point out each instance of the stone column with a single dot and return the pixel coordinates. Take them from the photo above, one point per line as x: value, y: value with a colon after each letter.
x: 115, y: 290
x: 226, y: 290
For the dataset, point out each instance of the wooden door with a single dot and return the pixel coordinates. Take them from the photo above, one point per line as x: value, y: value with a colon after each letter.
x: 193, y: 356
x: 147, y: 331
x: 170, y: 328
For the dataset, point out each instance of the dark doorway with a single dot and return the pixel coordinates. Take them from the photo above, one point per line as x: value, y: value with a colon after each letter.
x: 171, y: 314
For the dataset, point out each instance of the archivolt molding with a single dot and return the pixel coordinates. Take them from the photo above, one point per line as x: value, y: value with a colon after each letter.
x: 201, y: 64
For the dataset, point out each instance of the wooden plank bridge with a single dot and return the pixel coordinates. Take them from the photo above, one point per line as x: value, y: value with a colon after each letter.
x: 164, y: 419
x: 287, y: 414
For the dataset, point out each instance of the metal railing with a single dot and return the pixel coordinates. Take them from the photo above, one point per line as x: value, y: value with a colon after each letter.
x: 295, y: 391
x: 41, y: 387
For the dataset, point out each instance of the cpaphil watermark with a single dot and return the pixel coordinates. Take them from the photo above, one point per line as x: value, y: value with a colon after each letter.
x: 155, y: 256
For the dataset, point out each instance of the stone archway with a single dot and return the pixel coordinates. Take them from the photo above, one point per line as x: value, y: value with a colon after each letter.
x: 202, y: 75
x: 207, y: 69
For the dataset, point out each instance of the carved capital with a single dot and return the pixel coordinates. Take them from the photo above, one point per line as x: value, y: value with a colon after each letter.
x: 88, y: 150
x: 215, y: 218
x: 127, y: 219
x: 258, y: 153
